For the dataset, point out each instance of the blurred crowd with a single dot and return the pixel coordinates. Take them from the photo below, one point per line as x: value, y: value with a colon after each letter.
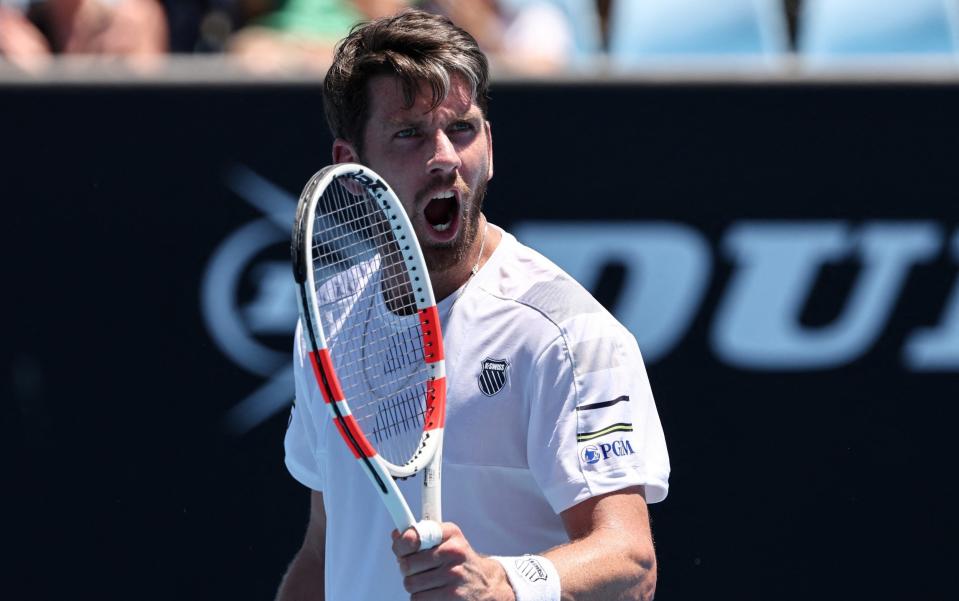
x: 528, y: 37
x: 264, y: 35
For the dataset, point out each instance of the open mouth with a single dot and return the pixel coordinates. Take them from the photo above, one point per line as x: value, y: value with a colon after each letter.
x: 441, y: 212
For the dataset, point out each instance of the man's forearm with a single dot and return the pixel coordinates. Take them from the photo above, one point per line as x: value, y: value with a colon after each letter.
x: 304, y: 578
x: 611, y: 554
x: 605, y: 567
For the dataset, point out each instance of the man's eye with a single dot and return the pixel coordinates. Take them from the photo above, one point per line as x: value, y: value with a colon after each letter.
x: 409, y: 132
x: 462, y: 126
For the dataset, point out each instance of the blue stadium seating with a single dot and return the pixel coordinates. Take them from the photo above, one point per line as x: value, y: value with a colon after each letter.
x: 838, y: 29
x: 644, y: 30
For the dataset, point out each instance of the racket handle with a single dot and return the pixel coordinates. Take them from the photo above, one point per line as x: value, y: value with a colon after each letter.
x: 431, y: 534
x: 432, y: 476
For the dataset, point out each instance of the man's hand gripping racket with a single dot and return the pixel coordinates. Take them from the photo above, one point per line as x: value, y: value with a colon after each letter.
x: 369, y: 319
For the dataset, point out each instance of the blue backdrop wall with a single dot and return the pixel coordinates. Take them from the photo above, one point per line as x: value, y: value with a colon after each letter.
x: 787, y: 255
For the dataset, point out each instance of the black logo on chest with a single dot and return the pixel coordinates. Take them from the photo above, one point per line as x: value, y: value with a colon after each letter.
x: 493, y: 376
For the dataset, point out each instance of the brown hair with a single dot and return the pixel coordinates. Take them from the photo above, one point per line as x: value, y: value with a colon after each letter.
x: 417, y: 47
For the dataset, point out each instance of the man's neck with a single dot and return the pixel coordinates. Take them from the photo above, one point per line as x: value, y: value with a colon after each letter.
x: 449, y: 281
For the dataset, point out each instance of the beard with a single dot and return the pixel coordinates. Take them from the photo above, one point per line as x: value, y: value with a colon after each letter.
x: 443, y: 257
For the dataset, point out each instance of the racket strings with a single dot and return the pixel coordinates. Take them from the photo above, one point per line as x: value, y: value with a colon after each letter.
x: 371, y: 319
x: 399, y: 415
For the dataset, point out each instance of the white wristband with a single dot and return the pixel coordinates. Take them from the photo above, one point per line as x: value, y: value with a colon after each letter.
x: 533, y: 577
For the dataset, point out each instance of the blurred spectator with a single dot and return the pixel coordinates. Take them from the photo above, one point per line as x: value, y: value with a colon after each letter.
x: 301, y: 34
x: 205, y: 26
x: 523, y: 36
x: 21, y: 42
x: 31, y: 31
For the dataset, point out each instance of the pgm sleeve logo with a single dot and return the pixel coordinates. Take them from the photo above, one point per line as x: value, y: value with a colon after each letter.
x: 590, y: 454
x: 594, y: 453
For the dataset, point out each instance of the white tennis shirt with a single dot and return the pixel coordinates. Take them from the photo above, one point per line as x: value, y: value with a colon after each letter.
x: 548, y: 404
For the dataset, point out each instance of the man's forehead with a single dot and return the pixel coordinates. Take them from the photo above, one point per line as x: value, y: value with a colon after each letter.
x: 388, y: 99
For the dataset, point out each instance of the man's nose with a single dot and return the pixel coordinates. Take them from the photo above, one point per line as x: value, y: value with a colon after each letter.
x: 445, y: 158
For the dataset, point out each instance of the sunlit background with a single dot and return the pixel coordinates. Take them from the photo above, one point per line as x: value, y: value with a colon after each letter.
x: 763, y: 191
x: 531, y: 38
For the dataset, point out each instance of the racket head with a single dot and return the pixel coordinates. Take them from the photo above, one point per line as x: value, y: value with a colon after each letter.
x: 369, y: 317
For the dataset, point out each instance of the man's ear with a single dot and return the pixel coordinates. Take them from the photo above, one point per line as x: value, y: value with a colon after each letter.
x: 489, y: 144
x: 344, y: 152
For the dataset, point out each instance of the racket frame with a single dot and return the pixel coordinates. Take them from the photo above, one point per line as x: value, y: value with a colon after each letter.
x: 428, y: 457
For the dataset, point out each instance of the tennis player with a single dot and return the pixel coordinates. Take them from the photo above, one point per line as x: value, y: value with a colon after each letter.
x: 553, y: 444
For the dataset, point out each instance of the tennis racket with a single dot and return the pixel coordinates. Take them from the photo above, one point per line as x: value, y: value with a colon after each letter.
x: 370, y: 321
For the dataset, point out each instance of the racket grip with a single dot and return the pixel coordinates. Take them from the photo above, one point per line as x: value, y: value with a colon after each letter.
x: 431, y: 534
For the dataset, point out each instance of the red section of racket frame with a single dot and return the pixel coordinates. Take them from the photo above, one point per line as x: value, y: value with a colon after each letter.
x: 435, y: 404
x: 432, y: 341
x: 351, y: 433
x: 323, y: 370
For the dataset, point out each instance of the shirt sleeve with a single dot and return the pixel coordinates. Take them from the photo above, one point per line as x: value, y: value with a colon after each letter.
x: 305, y: 433
x: 594, y: 427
